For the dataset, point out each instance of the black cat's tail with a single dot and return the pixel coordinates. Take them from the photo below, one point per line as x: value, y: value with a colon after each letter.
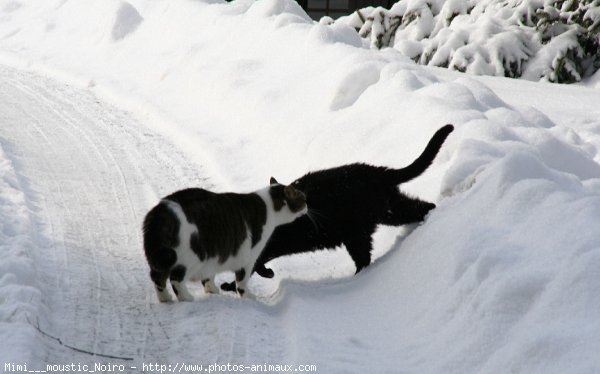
x: 161, y: 234
x: 425, y: 159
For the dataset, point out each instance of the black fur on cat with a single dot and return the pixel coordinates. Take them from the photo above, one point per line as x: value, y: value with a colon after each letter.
x: 346, y: 204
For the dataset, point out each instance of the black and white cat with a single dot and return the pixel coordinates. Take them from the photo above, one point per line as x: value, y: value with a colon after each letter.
x: 346, y: 204
x: 194, y: 234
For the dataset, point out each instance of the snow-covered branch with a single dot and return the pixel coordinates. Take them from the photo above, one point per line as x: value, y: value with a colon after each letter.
x: 552, y: 40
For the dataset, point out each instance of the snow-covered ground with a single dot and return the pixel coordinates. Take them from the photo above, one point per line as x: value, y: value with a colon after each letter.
x: 107, y: 105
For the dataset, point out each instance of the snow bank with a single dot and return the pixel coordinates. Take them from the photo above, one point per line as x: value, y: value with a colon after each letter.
x: 503, y: 274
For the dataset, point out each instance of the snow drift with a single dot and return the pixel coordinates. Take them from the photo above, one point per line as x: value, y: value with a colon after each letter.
x: 501, y: 277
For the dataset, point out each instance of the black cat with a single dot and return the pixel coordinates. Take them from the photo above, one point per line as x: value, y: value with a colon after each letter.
x: 346, y: 204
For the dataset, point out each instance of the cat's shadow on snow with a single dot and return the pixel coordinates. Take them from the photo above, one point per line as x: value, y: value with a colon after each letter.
x: 272, y: 295
x: 344, y: 278
x: 273, y: 292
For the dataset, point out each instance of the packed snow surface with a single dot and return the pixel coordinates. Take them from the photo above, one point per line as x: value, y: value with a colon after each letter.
x: 106, y: 105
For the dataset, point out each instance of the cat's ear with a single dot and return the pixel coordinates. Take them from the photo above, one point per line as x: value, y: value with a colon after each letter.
x: 273, y: 181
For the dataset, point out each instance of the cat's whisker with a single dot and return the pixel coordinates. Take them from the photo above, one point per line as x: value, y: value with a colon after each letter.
x: 317, y: 213
x: 313, y: 220
x: 316, y: 217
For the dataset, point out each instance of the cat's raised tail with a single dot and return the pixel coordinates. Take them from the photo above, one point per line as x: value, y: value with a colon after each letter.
x: 422, y: 162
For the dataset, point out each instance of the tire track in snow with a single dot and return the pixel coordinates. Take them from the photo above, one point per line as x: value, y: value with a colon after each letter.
x: 81, y: 160
x: 93, y: 172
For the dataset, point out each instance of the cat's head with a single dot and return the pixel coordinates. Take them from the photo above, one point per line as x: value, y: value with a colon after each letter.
x: 287, y: 197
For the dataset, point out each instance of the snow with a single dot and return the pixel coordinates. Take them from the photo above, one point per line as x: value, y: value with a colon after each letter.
x: 19, y: 291
x: 501, y: 277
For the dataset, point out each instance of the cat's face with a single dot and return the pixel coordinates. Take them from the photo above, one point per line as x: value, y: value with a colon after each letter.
x: 287, y: 197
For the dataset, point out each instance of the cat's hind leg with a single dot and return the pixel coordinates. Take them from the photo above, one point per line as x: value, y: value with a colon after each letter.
x: 405, y: 210
x: 359, y: 247
x: 177, y: 282
x: 160, y: 285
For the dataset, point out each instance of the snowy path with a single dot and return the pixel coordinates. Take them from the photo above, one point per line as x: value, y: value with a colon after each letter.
x: 503, y: 276
x: 90, y: 173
